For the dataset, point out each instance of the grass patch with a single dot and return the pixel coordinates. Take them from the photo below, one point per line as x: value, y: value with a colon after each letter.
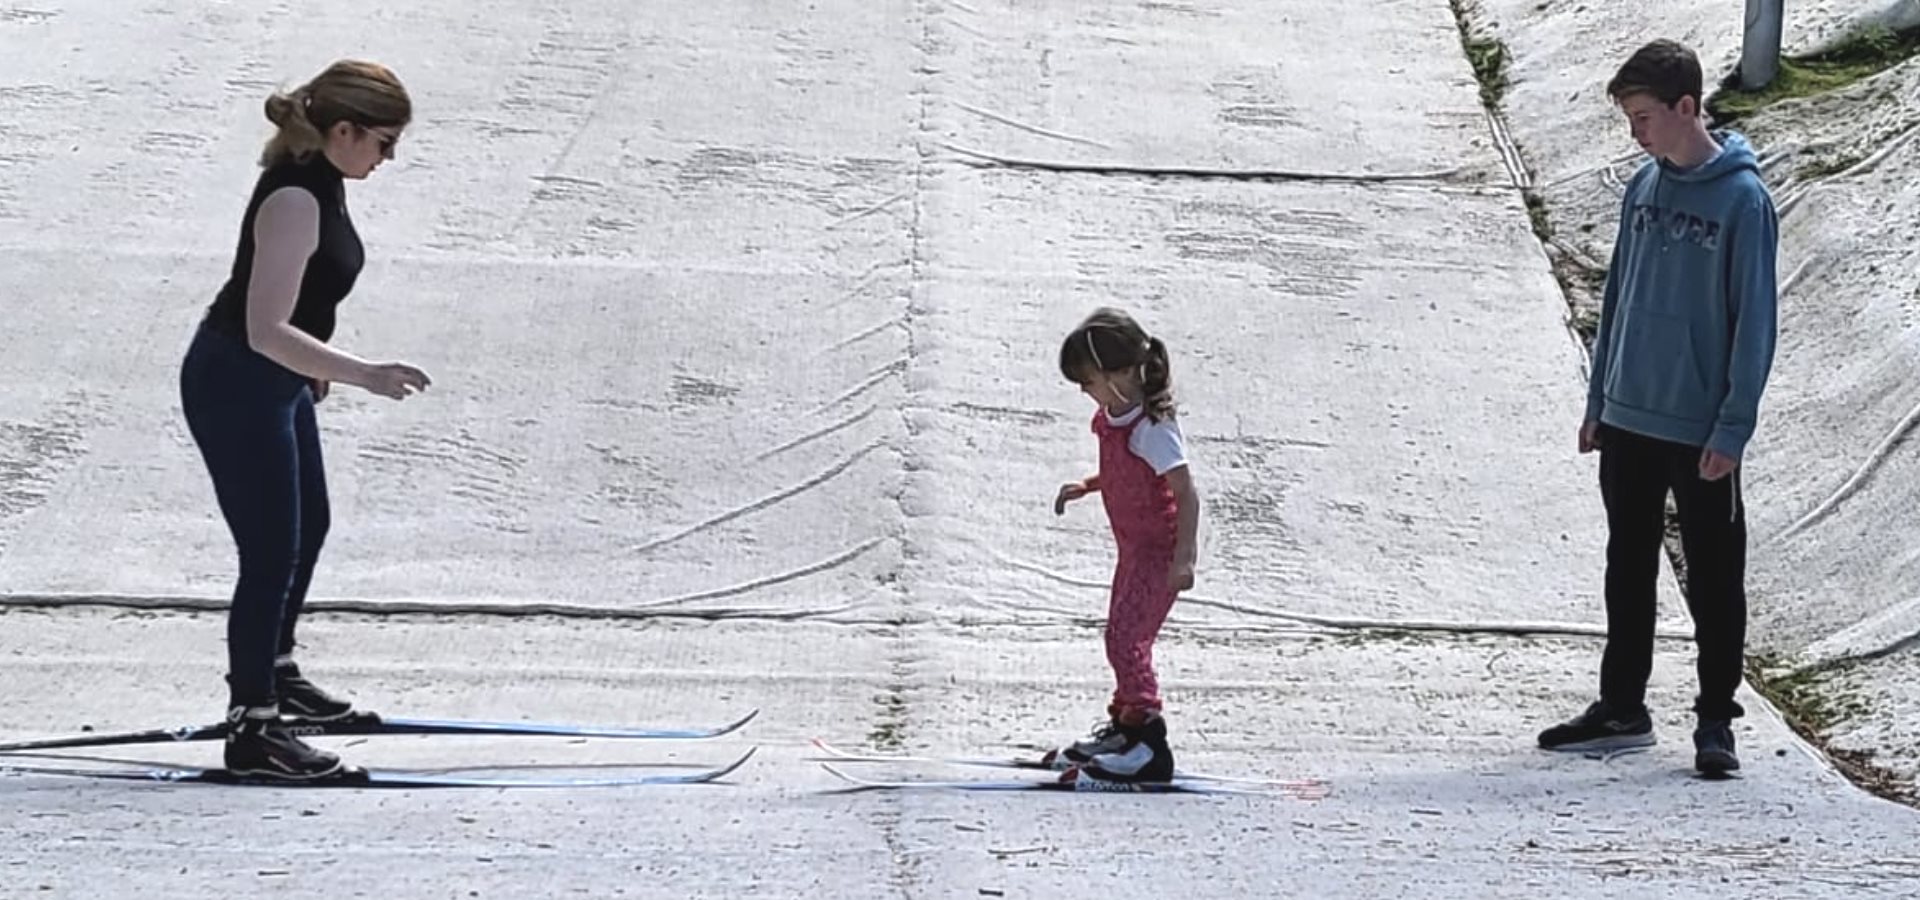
x: 1807, y: 695
x: 889, y: 731
x: 890, y: 726
x: 1488, y: 58
x: 1813, y: 707
x: 1537, y: 214
x: 1872, y: 51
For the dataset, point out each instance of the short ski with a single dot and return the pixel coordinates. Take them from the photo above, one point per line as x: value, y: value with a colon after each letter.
x: 835, y: 754
x: 375, y: 778
x: 1078, y: 785
x: 372, y: 724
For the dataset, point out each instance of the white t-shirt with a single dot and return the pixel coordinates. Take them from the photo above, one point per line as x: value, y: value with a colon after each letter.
x: 1160, y: 443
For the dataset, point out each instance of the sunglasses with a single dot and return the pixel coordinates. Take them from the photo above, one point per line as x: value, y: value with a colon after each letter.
x: 387, y: 141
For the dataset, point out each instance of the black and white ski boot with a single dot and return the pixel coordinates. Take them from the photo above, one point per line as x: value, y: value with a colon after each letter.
x: 1145, y: 757
x: 260, y: 746
x: 1106, y: 737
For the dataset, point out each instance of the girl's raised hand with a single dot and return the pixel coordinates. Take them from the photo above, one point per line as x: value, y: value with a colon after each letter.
x: 1068, y: 493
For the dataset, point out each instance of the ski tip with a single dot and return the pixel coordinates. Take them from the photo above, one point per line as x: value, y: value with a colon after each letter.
x: 852, y: 783
x: 739, y: 723
x: 736, y: 764
x: 830, y: 751
x: 714, y: 775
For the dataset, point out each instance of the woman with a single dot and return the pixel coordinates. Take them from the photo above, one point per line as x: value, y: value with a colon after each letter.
x: 258, y: 364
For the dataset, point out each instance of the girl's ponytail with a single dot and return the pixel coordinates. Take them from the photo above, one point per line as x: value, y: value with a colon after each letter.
x: 1157, y: 380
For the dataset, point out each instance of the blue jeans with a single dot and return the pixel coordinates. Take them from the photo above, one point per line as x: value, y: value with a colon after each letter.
x: 253, y: 421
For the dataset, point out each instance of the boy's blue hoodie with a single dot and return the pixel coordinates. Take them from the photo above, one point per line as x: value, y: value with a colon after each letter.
x: 1687, y: 323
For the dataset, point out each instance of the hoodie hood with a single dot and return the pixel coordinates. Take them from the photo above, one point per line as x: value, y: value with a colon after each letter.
x: 1736, y: 155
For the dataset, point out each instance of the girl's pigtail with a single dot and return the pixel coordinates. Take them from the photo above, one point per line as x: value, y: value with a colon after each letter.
x: 1158, y: 380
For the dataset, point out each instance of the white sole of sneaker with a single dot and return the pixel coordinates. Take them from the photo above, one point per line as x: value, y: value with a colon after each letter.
x: 1618, y: 742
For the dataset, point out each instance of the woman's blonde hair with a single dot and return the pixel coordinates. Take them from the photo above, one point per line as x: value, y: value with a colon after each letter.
x: 364, y: 93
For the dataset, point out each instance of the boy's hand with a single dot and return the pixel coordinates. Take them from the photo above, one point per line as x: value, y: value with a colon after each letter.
x: 1068, y: 492
x: 1180, y: 577
x: 1589, y: 436
x: 320, y: 386
x: 1715, y: 465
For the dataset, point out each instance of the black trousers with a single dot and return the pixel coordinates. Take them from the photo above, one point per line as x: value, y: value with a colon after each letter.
x: 1636, y: 474
x: 254, y: 423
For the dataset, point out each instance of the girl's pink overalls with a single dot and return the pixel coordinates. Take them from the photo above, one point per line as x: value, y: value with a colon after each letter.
x: 1145, y: 520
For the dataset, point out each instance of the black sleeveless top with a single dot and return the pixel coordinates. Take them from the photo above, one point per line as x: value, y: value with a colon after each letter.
x: 330, y: 271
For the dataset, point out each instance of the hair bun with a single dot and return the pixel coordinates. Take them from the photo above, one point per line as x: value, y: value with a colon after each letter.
x: 280, y: 108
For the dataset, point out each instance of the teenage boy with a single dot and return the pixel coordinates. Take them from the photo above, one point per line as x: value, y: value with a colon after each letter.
x: 1685, y: 344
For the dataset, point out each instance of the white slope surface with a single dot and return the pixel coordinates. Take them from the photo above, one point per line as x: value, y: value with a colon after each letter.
x: 725, y: 320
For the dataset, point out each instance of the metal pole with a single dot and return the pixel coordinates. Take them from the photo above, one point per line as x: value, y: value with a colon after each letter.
x: 1760, y: 48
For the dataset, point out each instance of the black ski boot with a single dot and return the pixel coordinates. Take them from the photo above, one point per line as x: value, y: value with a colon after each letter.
x: 260, y: 746
x: 303, y: 699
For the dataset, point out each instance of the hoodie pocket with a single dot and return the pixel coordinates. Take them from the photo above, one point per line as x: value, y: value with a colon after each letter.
x: 1658, y: 369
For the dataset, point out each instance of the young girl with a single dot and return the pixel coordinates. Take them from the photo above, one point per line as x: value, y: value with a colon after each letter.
x: 1153, y: 510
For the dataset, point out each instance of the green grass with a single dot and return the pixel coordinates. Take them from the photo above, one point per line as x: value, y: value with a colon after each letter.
x: 1813, y: 703
x: 1808, y: 697
x: 1872, y: 51
x: 1488, y: 58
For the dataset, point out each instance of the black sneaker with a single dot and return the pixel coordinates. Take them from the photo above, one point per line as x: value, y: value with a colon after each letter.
x: 259, y: 746
x: 1713, y: 751
x: 1146, y: 758
x: 304, y: 699
x: 1599, y: 729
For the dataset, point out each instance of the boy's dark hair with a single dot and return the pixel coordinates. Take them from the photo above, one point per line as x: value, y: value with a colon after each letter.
x: 1664, y: 69
x: 1111, y: 341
